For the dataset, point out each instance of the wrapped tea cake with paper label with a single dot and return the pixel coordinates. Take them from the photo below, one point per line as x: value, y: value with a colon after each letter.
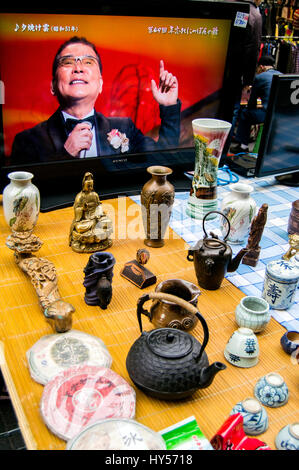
x: 82, y: 395
x: 54, y: 353
x: 117, y: 434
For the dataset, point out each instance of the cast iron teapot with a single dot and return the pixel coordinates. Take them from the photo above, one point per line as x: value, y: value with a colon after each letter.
x: 168, y: 363
x: 213, y: 258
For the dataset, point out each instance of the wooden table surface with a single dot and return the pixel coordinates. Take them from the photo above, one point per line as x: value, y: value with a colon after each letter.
x: 22, y: 324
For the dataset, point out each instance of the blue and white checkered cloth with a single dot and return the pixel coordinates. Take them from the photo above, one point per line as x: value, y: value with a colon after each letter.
x: 274, y: 242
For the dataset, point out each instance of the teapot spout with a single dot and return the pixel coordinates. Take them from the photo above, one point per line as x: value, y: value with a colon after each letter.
x: 234, y: 263
x: 208, y: 373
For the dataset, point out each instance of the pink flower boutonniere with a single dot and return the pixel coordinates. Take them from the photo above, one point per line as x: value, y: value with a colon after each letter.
x: 118, y: 139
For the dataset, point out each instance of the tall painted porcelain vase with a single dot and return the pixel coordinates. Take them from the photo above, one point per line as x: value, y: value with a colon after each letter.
x: 240, y: 208
x: 21, y: 202
x: 209, y: 139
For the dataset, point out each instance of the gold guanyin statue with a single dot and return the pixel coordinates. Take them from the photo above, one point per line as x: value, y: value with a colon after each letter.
x: 91, y: 227
x: 293, y: 248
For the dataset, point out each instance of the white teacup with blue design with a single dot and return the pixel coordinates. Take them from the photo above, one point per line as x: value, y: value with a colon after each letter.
x: 242, y: 348
x: 255, y: 418
x: 288, y: 437
x: 271, y: 390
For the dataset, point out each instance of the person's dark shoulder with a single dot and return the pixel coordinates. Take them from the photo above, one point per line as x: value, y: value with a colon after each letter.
x: 36, y: 130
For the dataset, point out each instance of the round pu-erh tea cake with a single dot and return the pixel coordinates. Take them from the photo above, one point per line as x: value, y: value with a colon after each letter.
x: 54, y: 353
x: 82, y: 395
x: 117, y: 434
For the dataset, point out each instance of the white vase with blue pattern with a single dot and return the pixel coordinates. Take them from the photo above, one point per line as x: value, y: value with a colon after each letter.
x: 271, y: 390
x: 255, y: 418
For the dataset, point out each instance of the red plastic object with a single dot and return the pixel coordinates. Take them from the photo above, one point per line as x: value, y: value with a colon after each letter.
x: 231, y: 436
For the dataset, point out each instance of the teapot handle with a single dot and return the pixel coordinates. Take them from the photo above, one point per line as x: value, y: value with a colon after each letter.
x: 182, y: 303
x: 216, y: 212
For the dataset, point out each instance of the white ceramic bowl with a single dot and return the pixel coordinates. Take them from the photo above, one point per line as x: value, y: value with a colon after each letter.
x: 255, y: 418
x: 242, y: 349
x: 253, y: 312
x: 271, y: 390
x: 288, y: 437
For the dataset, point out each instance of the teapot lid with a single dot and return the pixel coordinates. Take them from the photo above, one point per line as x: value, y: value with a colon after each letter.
x: 169, y: 343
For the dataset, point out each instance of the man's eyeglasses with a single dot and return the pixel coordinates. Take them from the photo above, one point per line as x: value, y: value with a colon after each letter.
x: 71, y: 61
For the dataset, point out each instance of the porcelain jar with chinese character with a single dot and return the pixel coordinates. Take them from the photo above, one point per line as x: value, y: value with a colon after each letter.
x: 280, y: 284
x: 240, y: 208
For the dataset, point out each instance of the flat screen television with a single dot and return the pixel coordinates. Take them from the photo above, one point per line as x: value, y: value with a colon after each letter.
x: 278, y: 153
x: 278, y: 149
x: 195, y: 39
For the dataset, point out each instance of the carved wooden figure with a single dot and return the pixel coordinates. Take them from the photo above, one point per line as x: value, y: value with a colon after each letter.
x: 256, y: 231
x: 135, y: 272
x: 42, y: 274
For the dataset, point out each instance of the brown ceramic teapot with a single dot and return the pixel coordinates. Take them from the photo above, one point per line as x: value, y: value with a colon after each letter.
x: 164, y: 313
x: 213, y: 258
x: 167, y: 363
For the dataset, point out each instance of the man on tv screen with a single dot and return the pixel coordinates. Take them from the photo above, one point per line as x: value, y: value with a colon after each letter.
x: 76, y: 130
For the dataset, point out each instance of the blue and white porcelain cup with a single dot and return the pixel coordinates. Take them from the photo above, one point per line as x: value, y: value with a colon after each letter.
x: 288, y: 437
x: 280, y: 284
x: 255, y: 417
x: 290, y: 341
x: 271, y: 390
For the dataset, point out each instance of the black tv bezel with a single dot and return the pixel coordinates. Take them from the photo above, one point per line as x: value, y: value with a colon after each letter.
x: 67, y: 174
x: 266, y: 134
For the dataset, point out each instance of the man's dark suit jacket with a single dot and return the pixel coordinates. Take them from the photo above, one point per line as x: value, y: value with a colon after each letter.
x: 45, y: 141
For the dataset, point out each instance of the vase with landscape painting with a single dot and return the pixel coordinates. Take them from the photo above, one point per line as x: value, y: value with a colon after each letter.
x: 21, y: 202
x: 209, y: 138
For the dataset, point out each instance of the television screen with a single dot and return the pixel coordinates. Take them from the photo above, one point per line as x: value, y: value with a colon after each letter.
x: 279, y: 148
x: 192, y: 41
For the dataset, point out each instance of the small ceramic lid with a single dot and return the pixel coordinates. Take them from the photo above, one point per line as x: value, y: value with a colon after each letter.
x: 283, y: 270
x: 54, y: 353
x: 82, y: 395
x: 117, y: 434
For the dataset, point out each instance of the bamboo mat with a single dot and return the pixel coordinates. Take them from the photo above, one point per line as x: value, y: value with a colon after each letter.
x: 22, y: 324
